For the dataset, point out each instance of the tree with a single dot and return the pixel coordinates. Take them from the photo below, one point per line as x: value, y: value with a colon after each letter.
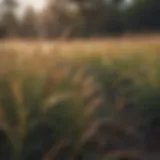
x: 29, y: 24
x: 144, y: 15
x: 84, y: 17
x: 100, y: 16
x: 61, y: 19
x: 9, y: 23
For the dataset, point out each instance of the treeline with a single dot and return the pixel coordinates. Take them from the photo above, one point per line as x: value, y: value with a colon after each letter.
x: 80, y: 18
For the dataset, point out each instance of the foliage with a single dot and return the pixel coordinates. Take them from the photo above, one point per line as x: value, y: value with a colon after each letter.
x: 28, y: 26
x: 8, y: 22
x: 143, y: 15
x: 80, y: 18
x: 85, y: 108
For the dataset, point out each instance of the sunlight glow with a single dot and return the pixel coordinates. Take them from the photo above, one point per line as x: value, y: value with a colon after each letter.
x: 36, y: 4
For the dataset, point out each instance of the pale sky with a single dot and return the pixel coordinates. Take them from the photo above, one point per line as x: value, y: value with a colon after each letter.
x: 37, y: 4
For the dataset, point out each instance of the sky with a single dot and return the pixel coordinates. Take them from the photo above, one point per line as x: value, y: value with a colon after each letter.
x: 37, y: 4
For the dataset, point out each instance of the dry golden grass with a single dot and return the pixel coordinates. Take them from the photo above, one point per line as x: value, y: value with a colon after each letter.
x: 140, y: 44
x: 37, y: 56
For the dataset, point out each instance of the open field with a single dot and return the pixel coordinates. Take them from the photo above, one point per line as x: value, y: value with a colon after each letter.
x: 80, y: 100
x: 38, y: 55
x: 111, y: 47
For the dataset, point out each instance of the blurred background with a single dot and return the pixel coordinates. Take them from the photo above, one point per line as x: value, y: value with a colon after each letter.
x: 79, y: 80
x: 77, y: 18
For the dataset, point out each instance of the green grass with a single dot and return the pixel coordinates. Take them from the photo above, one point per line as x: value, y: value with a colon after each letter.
x: 58, y: 106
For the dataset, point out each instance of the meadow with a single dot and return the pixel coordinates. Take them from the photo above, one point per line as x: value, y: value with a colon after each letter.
x: 95, y: 99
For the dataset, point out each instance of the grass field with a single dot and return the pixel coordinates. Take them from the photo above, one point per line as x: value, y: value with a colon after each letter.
x: 58, y: 98
x: 45, y: 51
x: 110, y: 46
